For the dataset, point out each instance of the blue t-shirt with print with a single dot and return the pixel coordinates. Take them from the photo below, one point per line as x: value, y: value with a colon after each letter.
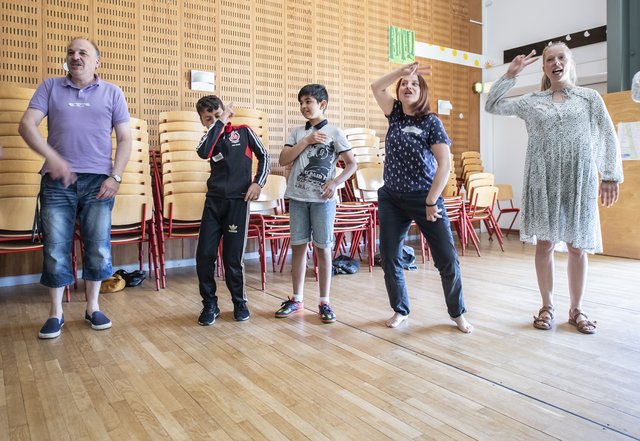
x: 409, y: 161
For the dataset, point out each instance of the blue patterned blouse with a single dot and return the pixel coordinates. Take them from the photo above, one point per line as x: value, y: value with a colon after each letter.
x: 409, y: 161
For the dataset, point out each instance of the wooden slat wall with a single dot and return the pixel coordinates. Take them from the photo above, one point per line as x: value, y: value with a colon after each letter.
x: 262, y: 52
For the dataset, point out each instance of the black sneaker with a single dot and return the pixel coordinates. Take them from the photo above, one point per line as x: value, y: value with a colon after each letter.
x: 208, y: 315
x: 240, y: 312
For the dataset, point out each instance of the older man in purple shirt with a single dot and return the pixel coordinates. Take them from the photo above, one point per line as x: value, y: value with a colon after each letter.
x: 79, y: 179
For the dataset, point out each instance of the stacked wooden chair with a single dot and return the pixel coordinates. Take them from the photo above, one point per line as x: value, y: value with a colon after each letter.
x: 367, y: 152
x: 19, y: 177
x: 365, y: 146
x: 470, y: 163
x: 133, y: 217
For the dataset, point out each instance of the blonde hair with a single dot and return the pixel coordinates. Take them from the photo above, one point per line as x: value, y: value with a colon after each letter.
x: 545, y: 83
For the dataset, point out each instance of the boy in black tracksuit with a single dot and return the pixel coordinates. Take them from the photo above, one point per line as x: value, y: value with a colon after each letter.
x: 226, y: 209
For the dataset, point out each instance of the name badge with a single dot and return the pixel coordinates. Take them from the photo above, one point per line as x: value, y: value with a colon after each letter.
x: 79, y: 104
x: 217, y: 157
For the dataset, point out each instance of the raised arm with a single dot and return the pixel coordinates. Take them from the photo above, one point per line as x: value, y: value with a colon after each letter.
x: 379, y: 86
x: 496, y: 101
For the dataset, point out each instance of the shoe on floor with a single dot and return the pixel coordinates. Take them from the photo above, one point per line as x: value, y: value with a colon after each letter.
x: 289, y: 307
x: 98, y: 320
x: 240, y: 312
x: 208, y: 315
x: 52, y: 328
x: 326, y: 313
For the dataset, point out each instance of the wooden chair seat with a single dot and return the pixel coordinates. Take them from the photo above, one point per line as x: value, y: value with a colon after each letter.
x: 179, y: 116
x: 186, y: 166
x: 183, y: 155
x: 20, y: 166
x: 181, y: 136
x: 14, y: 92
x: 181, y: 126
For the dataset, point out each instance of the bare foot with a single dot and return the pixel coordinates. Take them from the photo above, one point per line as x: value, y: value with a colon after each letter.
x: 462, y: 324
x: 395, y: 320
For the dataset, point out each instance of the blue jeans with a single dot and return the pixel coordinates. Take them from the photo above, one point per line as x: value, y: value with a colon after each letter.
x: 60, y: 207
x: 312, y: 219
x: 396, y: 211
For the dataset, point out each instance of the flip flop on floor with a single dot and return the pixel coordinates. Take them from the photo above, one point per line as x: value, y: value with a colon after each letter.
x: 544, y: 322
x: 583, y: 325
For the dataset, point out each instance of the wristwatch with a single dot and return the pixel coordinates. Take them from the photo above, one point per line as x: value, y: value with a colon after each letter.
x: 117, y: 178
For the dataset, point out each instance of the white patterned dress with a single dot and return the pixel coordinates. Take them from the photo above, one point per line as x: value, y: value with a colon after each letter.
x: 569, y: 144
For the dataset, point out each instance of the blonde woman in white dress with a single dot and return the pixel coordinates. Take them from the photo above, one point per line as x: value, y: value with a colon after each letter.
x: 573, y: 158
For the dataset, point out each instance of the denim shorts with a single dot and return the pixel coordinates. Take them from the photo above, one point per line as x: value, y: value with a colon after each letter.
x: 312, y: 219
x: 60, y: 207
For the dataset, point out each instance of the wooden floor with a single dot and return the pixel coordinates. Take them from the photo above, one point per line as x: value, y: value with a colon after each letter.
x: 157, y: 375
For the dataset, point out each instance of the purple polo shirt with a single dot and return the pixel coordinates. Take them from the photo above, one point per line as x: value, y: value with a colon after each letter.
x: 80, y: 121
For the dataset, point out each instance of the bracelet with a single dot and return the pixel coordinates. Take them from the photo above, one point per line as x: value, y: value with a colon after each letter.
x: 430, y: 205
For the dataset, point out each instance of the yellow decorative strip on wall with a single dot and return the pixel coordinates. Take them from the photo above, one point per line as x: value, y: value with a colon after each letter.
x: 441, y: 53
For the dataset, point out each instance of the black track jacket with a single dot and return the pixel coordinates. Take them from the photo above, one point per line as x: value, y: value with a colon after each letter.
x: 230, y: 152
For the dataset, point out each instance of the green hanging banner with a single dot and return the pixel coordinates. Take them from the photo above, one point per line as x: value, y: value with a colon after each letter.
x: 402, y: 44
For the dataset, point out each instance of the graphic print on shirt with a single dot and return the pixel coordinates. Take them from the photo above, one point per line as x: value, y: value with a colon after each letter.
x: 316, y: 172
x: 412, y: 129
x: 234, y: 137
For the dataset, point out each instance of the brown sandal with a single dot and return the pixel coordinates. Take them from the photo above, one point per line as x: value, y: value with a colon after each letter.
x: 545, y: 323
x: 584, y: 326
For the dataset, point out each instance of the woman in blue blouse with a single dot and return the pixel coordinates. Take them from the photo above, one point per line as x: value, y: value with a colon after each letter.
x: 416, y: 169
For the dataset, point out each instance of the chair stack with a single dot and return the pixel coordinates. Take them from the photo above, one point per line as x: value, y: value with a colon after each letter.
x: 481, y: 203
x: 19, y: 177
x: 133, y: 217
x: 19, y: 174
x: 451, y: 189
x: 180, y: 179
x: 470, y: 163
x: 365, y: 146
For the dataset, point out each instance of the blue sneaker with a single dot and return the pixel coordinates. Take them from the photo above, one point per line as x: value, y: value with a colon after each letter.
x: 52, y: 328
x: 98, y: 320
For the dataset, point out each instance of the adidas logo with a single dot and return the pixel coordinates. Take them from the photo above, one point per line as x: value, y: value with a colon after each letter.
x: 233, y: 228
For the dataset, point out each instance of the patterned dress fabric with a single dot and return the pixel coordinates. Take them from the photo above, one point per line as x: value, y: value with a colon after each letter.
x: 569, y: 144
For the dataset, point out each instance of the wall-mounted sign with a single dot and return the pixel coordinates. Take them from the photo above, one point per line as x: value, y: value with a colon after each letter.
x: 202, y: 80
x: 402, y: 44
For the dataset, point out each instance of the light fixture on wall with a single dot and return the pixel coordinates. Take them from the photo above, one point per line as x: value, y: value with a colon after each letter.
x: 444, y: 107
x: 478, y: 87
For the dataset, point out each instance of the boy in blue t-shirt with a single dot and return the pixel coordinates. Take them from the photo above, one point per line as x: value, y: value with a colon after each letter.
x: 312, y: 152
